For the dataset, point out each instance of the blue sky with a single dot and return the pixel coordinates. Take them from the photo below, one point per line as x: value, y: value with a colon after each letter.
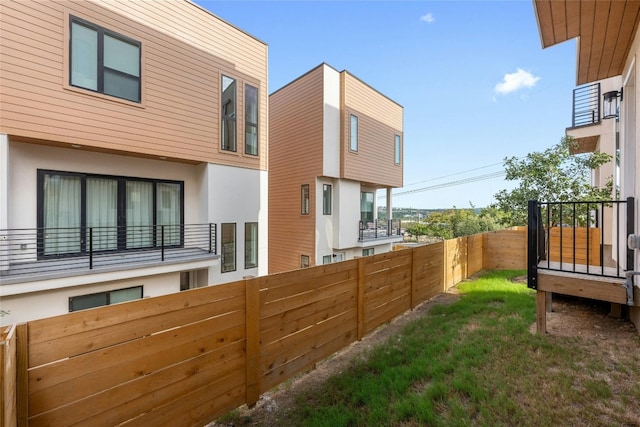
x: 472, y: 77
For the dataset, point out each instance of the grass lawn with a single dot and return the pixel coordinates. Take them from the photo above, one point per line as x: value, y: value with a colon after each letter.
x: 475, y: 362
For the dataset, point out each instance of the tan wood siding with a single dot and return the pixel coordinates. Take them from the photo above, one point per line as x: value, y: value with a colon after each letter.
x: 295, y: 158
x: 185, y: 50
x: 379, y: 120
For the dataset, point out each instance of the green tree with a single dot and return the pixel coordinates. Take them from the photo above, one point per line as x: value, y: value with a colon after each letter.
x: 457, y: 222
x: 553, y: 175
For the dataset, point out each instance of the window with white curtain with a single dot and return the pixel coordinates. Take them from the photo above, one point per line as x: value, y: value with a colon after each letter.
x: 250, y: 244
x: 78, y: 213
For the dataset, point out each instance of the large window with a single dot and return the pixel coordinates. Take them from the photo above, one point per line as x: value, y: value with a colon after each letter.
x: 78, y: 213
x: 397, y: 150
x: 353, y: 133
x: 304, y: 199
x: 326, y: 199
x: 228, y: 113
x: 99, y: 299
x: 251, y: 120
x: 228, y: 247
x: 104, y: 61
x: 366, y: 206
x: 250, y: 245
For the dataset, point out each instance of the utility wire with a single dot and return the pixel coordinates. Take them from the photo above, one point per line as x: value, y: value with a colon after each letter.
x: 453, y: 174
x: 452, y: 183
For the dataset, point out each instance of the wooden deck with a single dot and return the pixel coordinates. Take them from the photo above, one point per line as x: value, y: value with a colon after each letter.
x: 595, y: 282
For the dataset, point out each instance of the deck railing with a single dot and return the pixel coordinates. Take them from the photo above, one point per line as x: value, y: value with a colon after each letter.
x: 586, y: 105
x: 570, y: 236
x: 379, y: 229
x: 46, y: 251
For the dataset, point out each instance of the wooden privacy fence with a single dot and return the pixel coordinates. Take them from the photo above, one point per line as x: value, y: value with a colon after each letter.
x: 187, y: 358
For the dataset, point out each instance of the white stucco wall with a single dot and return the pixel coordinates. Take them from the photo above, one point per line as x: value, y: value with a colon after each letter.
x: 331, y: 123
x: 238, y: 195
x: 346, y: 213
x: 324, y: 223
x: 38, y: 305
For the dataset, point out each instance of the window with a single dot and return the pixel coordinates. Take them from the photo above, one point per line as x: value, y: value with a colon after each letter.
x: 304, y: 261
x: 100, y: 299
x: 228, y: 113
x: 304, y: 197
x: 326, y: 259
x: 78, y: 213
x: 366, y: 206
x: 251, y: 120
x: 367, y: 251
x: 353, y: 133
x: 326, y: 199
x: 397, y: 150
x: 228, y: 242
x: 250, y: 245
x: 103, y: 61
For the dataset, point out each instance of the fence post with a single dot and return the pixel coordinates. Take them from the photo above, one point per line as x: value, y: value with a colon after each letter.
x: 361, y: 284
x: 532, y: 245
x: 252, y: 307
x: 22, y: 376
x: 414, y: 274
x: 630, y: 230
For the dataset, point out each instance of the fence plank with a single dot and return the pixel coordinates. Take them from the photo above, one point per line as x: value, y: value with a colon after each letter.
x: 22, y: 378
x: 105, y: 326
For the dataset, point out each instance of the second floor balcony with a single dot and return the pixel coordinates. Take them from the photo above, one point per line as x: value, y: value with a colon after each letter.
x: 40, y: 254
x: 380, y: 229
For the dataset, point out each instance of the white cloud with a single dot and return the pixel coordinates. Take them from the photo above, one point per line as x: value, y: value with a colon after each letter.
x: 428, y: 18
x: 516, y: 81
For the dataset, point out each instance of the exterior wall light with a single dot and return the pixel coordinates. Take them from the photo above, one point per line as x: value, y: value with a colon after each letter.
x: 611, y: 104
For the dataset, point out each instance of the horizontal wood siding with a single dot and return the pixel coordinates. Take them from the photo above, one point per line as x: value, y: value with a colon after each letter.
x: 158, y: 354
x: 187, y: 358
x: 306, y: 316
x: 428, y: 267
x: 505, y: 249
x: 185, y: 50
x: 379, y: 120
x: 561, y: 240
x: 295, y: 158
x: 388, y: 287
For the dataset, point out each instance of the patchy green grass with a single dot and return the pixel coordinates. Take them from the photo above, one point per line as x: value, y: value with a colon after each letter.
x: 474, y: 362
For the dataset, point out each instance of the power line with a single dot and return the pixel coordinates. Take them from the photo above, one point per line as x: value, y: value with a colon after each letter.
x: 454, y: 174
x: 453, y: 183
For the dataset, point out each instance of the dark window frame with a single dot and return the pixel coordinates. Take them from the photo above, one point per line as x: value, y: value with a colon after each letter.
x: 248, y: 265
x: 121, y: 211
x: 327, y: 196
x: 107, y: 295
x: 397, y: 159
x: 229, y: 118
x: 101, y: 32
x: 248, y: 124
x: 305, y: 261
x: 353, y: 133
x: 222, y: 248
x: 305, y: 201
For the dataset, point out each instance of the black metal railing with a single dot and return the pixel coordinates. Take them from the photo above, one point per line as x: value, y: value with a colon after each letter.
x: 570, y: 236
x: 379, y: 229
x: 586, y: 105
x: 47, y: 251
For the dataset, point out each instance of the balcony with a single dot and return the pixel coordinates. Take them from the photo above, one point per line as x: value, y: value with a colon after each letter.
x: 380, y: 229
x: 579, y: 249
x: 39, y: 254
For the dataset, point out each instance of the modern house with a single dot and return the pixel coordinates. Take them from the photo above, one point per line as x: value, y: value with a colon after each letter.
x: 605, y: 117
x: 133, y: 153
x: 334, y: 143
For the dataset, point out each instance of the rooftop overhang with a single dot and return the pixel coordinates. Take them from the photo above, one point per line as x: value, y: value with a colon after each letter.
x: 605, y: 29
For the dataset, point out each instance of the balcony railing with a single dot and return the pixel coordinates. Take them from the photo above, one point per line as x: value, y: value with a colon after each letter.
x: 379, y: 229
x: 570, y: 236
x: 56, y: 252
x: 586, y: 105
